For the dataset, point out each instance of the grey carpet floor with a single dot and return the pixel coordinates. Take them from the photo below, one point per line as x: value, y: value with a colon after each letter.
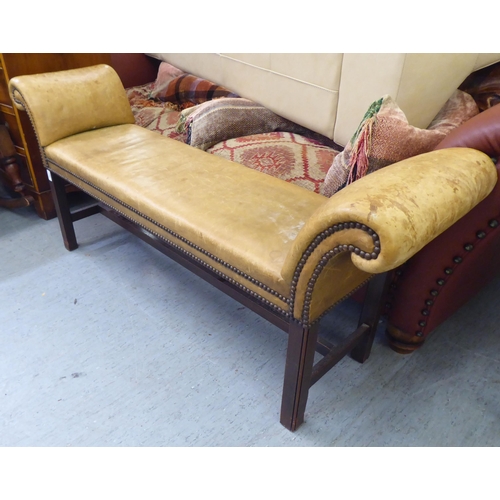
x: 115, y: 345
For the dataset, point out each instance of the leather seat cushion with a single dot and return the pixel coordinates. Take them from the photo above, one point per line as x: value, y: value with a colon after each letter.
x: 247, y: 219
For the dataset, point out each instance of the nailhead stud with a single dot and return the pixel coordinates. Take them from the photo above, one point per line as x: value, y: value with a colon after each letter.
x: 419, y: 334
x: 493, y: 223
x: 434, y: 293
x: 448, y: 270
x: 481, y: 235
x: 457, y: 259
x: 468, y: 247
x: 440, y: 282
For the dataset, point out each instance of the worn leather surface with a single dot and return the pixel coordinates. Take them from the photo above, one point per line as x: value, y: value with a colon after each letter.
x: 153, y: 227
x: 246, y: 218
x: 261, y: 225
x: 407, y: 204
x: 64, y: 103
x: 241, y: 221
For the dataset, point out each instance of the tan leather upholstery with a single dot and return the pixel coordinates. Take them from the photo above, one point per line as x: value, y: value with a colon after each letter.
x: 74, y: 103
x: 262, y: 226
x: 218, y: 205
x: 291, y: 253
x: 297, y: 250
x: 330, y: 92
x: 407, y: 204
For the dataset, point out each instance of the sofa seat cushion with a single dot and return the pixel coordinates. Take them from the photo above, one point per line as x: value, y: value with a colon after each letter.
x: 197, y: 200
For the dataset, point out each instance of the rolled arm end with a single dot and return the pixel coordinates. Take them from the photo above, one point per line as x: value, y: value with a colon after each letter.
x: 405, y: 205
x: 65, y: 103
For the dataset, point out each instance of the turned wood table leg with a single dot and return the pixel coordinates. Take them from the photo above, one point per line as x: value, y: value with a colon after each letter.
x: 10, y: 170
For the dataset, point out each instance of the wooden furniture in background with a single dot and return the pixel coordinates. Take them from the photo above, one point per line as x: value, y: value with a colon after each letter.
x: 31, y: 170
x: 9, y: 172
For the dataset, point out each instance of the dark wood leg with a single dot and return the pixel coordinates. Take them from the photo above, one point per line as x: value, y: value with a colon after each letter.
x: 370, y: 315
x: 298, y: 369
x: 57, y: 186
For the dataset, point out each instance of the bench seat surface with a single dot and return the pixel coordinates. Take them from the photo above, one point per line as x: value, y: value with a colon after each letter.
x: 247, y: 219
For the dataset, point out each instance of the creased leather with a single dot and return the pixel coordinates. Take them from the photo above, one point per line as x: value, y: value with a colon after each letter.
x: 257, y: 226
x: 246, y: 218
x: 65, y: 103
x: 407, y: 204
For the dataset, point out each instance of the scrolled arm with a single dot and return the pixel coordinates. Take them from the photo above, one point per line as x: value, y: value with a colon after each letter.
x: 391, y: 214
x: 64, y: 103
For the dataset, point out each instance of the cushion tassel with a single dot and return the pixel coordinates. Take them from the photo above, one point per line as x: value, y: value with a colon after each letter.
x: 358, y: 161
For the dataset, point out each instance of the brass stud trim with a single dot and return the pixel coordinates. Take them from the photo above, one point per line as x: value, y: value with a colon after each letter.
x: 325, y: 259
x: 192, y: 245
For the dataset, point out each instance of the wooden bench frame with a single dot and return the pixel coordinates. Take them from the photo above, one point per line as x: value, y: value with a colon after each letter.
x: 89, y: 138
x: 300, y: 371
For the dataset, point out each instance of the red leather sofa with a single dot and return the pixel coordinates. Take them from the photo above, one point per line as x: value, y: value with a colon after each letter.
x: 450, y: 270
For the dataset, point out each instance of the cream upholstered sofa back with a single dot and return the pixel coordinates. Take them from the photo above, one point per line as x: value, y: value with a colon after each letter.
x: 330, y: 93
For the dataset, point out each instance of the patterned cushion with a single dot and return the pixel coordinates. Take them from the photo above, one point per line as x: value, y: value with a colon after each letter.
x: 158, y: 116
x: 219, y: 120
x: 174, y: 85
x: 385, y: 137
x: 291, y: 157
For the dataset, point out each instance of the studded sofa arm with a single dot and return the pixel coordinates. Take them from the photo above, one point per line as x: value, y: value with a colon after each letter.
x: 448, y: 272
